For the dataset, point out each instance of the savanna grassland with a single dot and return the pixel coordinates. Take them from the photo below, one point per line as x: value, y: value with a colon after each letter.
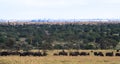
x: 50, y: 59
x: 59, y: 60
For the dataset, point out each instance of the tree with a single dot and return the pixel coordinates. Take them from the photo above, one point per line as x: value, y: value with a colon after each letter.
x: 9, y: 43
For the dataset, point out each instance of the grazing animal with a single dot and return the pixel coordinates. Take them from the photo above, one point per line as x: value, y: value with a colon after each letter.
x: 74, y: 53
x: 95, y: 53
x: 26, y: 53
x: 14, y: 53
x: 4, y: 53
x: 117, y: 54
x: 63, y: 53
x: 98, y: 54
x: 84, y: 54
x: 55, y: 54
x: 37, y: 54
x: 109, y: 54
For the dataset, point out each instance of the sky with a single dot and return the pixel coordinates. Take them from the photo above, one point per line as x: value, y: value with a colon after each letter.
x: 59, y: 9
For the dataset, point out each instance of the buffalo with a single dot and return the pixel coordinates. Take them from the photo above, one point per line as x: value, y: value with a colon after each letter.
x: 14, y: 53
x: 74, y: 53
x: 26, y: 53
x: 63, y: 53
x: 4, y: 53
x: 109, y: 54
x: 55, y: 54
x: 98, y: 54
x: 117, y: 54
x: 37, y: 54
x: 84, y: 54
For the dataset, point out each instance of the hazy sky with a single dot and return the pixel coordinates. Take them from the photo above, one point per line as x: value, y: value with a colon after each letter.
x: 59, y: 9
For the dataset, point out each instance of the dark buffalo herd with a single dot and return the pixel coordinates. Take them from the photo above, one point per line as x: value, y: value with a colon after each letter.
x: 6, y: 53
x: 77, y: 53
x: 61, y: 53
x: 33, y: 54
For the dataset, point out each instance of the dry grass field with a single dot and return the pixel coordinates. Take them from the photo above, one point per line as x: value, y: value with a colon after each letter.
x: 50, y: 59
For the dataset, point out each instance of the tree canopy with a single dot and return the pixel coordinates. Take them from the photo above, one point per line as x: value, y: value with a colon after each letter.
x: 67, y: 36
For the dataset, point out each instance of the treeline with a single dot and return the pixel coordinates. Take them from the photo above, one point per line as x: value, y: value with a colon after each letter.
x: 67, y: 36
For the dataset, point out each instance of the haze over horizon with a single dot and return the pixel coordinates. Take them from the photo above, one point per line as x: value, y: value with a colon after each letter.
x: 59, y: 9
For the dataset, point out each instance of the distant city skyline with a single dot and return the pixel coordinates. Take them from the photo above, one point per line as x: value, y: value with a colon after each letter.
x: 59, y: 9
